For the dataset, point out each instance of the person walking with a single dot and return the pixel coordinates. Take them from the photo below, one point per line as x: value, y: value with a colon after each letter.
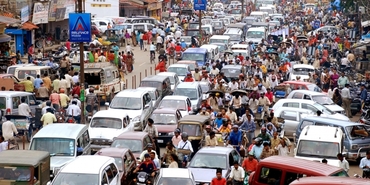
x: 346, y: 100
x: 343, y: 163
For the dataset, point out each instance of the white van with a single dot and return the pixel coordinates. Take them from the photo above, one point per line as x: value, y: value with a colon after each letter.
x: 269, y: 9
x: 261, y: 16
x: 236, y: 35
x: 256, y: 35
x: 107, y: 124
x: 225, y: 39
x: 11, y: 69
x: 93, y: 169
x: 212, y: 51
x: 22, y: 72
x: 318, y: 142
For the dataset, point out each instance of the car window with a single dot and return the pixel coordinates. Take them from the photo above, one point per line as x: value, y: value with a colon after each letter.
x: 146, y: 140
x: 110, y: 174
x: 305, y: 123
x: 85, y: 139
x: 2, y: 102
x: 307, y: 97
x: 102, y: 23
x: 295, y: 105
x: 16, y: 101
x: 236, y: 156
x: 290, y: 177
x: 269, y: 176
x: 309, y: 107
x: 114, y: 169
x: 150, y: 27
x: 289, y: 115
x: 323, y: 124
x: 104, y: 178
x: 32, y: 100
x: 231, y: 160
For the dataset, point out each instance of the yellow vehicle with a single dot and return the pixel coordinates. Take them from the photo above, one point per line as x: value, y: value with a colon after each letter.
x: 18, y: 167
x: 105, y: 78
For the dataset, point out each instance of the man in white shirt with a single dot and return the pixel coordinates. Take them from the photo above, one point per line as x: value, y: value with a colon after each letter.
x: 177, y: 34
x: 3, y: 144
x: 9, y: 130
x: 74, y: 111
x: 75, y: 77
x: 24, y: 109
x: 214, y: 70
x: 237, y: 174
x: 76, y: 98
x: 185, y: 144
x: 233, y: 85
x: 102, y: 58
x: 343, y: 163
x: 159, y: 41
x: 48, y: 105
x: 346, y: 100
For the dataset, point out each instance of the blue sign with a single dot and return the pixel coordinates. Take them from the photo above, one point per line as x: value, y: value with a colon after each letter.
x: 200, y: 4
x: 79, y: 27
x: 316, y: 24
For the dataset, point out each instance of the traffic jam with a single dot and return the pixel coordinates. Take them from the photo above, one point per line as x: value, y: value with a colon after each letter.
x: 263, y: 92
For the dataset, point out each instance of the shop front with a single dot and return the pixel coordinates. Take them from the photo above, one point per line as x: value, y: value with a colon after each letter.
x: 132, y: 8
x: 155, y: 10
x: 22, y: 36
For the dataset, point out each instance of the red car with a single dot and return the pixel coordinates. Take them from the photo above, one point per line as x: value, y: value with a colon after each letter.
x: 95, y: 30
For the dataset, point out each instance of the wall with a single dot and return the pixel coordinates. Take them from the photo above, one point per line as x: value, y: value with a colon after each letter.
x: 102, y: 8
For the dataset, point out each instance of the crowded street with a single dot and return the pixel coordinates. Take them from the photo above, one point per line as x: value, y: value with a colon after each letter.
x: 189, y: 93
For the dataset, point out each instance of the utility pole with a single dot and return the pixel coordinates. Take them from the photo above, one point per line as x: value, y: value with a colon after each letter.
x: 82, y: 68
x: 200, y: 28
x: 242, y: 11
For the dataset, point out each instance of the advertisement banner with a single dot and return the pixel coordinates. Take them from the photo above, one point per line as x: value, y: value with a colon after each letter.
x: 70, y: 8
x: 25, y: 14
x: 80, y: 27
x: 53, y: 9
x: 40, y: 13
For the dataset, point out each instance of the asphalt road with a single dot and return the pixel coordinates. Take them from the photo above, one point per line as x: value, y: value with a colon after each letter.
x: 143, y: 68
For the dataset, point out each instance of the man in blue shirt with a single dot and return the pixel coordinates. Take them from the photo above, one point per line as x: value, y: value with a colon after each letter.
x: 219, y: 120
x: 183, y: 44
x: 249, y: 126
x: 235, y: 137
x: 147, y: 166
x: 37, y: 82
x: 365, y: 165
x: 363, y: 95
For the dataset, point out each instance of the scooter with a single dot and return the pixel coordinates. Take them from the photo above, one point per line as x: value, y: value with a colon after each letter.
x: 142, y: 179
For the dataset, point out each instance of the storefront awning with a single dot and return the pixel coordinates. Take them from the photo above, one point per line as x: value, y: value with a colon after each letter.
x: 5, y: 38
x: 134, y: 3
x: 29, y: 26
x: 8, y: 20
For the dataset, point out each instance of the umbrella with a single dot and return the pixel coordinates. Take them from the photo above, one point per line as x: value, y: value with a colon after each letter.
x: 302, y: 40
x: 228, y: 52
x: 285, y: 43
x: 234, y: 92
x: 222, y: 94
x: 272, y: 52
x: 301, y: 37
x: 273, y: 47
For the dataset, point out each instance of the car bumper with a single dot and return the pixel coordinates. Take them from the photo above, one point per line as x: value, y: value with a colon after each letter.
x: 95, y: 148
x: 162, y: 140
x: 353, y: 155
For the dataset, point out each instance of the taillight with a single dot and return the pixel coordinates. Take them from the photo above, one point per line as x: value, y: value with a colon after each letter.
x: 189, y: 109
x: 8, y: 111
x: 362, y: 121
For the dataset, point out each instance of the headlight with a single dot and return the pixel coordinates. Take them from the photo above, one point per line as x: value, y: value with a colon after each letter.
x: 171, y: 134
x: 56, y: 171
x: 354, y: 147
x: 141, y: 179
x: 137, y: 118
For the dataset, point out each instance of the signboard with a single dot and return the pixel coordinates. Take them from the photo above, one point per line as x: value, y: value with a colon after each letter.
x: 40, y: 13
x: 80, y: 27
x: 25, y: 14
x: 316, y: 24
x: 200, y: 4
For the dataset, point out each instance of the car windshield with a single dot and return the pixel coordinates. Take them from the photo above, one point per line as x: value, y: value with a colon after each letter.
x: 193, y: 26
x: 226, y: 21
x: 191, y: 129
x: 230, y: 72
x: 323, y: 100
x: 118, y: 161
x: 164, y: 119
x: 234, y: 36
x: 55, y: 146
x: 205, y: 88
x: 76, y: 178
x: 322, y: 108
x: 206, y: 21
x: 255, y: 34
x: 302, y: 71
x: 157, y: 85
x: 180, y: 71
x: 135, y: 146
x: 172, y: 180
x: 248, y: 21
x: 358, y: 131
x: 202, y: 160
x: 236, y: 11
x: 318, y: 149
x: 221, y: 48
x: 216, y: 24
x: 128, y: 103
x: 193, y: 56
x: 173, y: 104
x: 225, y: 41
x: 340, y: 174
x: 19, y: 174
x: 106, y: 122
x: 188, y: 92
x: 314, y: 87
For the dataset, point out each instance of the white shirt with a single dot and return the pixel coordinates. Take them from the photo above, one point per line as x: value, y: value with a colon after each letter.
x: 345, y: 93
x: 344, y: 164
x: 128, y: 49
x: 237, y: 174
x: 74, y: 110
x: 182, y: 145
x: 77, y: 100
x: 69, y: 80
x: 75, y: 79
x: 233, y: 86
x: 178, y: 34
x: 146, y: 152
x: 9, y: 129
x: 283, y: 151
x: 3, y: 146
x: 24, y: 109
x: 344, y: 61
x: 215, y: 71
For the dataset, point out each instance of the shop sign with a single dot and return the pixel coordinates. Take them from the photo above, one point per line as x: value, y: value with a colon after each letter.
x: 80, y: 27
x: 200, y: 4
x: 40, y: 13
x: 25, y: 14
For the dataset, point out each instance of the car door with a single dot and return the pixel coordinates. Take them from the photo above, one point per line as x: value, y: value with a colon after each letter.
x: 32, y: 103
x: 112, y: 174
x: 291, y: 121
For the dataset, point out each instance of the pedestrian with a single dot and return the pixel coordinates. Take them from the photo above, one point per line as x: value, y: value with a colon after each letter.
x: 282, y: 148
x: 345, y: 93
x: 48, y: 118
x: 237, y: 174
x: 365, y: 165
x: 9, y: 129
x: 218, y: 180
x: 30, y: 53
x: 74, y: 111
x: 324, y: 161
x: 28, y: 85
x: 42, y: 92
x: 343, y: 163
x: 55, y: 100
x: 153, y: 133
x: 3, y: 144
x: 363, y: 95
x: 250, y: 127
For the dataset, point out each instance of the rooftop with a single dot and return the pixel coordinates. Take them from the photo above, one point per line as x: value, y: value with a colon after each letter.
x: 22, y: 157
x: 91, y: 164
x: 60, y: 130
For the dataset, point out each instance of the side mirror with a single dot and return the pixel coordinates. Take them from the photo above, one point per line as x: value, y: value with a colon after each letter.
x: 106, y: 104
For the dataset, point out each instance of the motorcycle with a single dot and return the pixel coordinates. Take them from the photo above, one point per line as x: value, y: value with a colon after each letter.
x: 143, y: 179
x: 178, y: 55
x: 62, y: 51
x: 365, y: 114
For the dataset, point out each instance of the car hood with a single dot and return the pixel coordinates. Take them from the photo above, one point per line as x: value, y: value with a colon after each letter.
x: 166, y: 128
x: 181, y: 78
x: 131, y: 113
x: 108, y: 133
x: 59, y: 161
x: 339, y: 116
x: 205, y: 175
x: 334, y: 108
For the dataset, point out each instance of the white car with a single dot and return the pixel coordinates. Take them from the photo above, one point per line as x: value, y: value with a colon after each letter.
x: 107, y: 124
x: 301, y: 70
x: 180, y: 70
x: 317, y: 97
x: 310, y: 105
x: 182, y: 103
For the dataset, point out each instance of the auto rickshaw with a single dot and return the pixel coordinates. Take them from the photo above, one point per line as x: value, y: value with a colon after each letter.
x: 24, y: 167
x: 193, y: 125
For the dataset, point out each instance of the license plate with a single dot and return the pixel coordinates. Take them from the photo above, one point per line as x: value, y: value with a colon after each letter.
x: 160, y: 141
